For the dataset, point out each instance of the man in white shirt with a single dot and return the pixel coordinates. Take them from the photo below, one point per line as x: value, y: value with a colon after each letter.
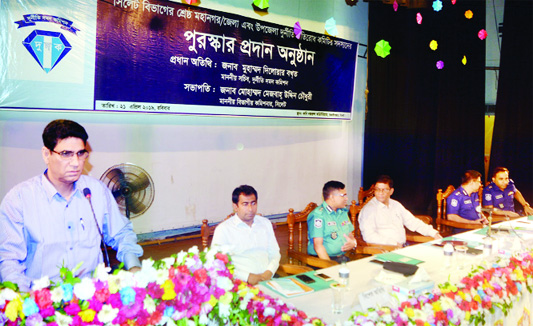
x: 248, y: 238
x: 382, y: 219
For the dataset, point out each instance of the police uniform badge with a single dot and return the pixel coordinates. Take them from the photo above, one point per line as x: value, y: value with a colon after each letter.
x: 318, y: 223
x: 488, y: 197
x: 454, y: 202
x: 334, y: 235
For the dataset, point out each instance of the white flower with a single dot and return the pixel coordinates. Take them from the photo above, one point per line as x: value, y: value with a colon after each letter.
x: 169, y: 261
x: 107, y: 314
x: 8, y: 295
x: 181, y: 256
x: 101, y: 272
x: 126, y: 279
x: 149, y: 304
x: 269, y: 311
x: 41, y: 283
x: 223, y: 309
x: 161, y: 276
x: 203, y: 320
x: 62, y: 320
x: 224, y: 283
x: 85, y: 289
x: 194, y: 250
x: 57, y: 294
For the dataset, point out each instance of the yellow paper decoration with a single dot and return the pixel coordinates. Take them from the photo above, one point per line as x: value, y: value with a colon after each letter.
x: 433, y: 45
x: 464, y: 60
x: 469, y: 14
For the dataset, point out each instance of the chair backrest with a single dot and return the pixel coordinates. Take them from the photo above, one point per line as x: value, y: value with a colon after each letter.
x: 298, y: 223
x: 354, y: 211
x: 364, y: 196
x: 441, y: 201
x: 207, y: 231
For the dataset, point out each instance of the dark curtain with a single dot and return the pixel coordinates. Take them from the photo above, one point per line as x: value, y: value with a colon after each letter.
x: 424, y: 126
x: 512, y: 141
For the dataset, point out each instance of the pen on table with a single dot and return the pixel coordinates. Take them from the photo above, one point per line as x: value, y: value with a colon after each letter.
x: 82, y: 225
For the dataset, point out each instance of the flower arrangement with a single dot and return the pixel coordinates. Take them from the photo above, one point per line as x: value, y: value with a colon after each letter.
x: 190, y: 288
x: 487, y: 287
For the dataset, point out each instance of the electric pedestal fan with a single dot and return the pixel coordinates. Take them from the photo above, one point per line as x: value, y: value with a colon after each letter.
x: 131, y: 186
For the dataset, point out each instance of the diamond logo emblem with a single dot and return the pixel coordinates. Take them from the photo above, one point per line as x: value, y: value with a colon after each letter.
x: 47, y: 48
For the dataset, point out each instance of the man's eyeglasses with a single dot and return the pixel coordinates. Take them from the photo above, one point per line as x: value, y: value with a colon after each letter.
x: 340, y: 195
x: 381, y: 190
x: 68, y: 155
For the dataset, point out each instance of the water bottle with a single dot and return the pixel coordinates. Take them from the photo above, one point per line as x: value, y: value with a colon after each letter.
x: 487, y: 247
x: 448, y: 254
x: 344, y: 275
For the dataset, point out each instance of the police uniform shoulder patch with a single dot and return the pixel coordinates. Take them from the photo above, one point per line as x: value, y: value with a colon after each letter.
x: 454, y: 202
x: 488, y: 197
x: 318, y: 223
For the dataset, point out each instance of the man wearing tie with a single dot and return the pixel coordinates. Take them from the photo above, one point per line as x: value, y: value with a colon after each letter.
x: 47, y: 222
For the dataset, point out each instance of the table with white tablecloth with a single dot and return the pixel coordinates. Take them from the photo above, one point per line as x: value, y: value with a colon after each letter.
x: 363, y: 273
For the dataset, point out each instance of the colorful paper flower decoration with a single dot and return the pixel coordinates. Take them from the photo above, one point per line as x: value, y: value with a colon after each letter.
x: 331, y: 27
x: 440, y: 64
x: 482, y: 34
x: 433, y: 45
x: 261, y: 4
x: 419, y: 18
x: 469, y: 14
x: 297, y: 30
x: 453, y: 2
x: 382, y: 48
x: 191, y: 1
x: 464, y: 60
x: 437, y: 5
x: 395, y: 5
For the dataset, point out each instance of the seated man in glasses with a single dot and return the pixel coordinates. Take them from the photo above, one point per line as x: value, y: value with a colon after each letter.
x: 329, y: 227
x: 501, y: 193
x: 382, y: 219
x: 47, y: 222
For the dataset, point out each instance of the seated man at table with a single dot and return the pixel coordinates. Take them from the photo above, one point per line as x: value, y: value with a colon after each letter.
x: 463, y: 204
x: 382, y: 219
x: 329, y: 227
x: 501, y: 193
x: 248, y: 238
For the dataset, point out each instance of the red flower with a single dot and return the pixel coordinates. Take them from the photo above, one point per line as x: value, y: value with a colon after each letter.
x: 440, y: 315
x: 222, y: 257
x: 200, y: 275
x: 302, y: 314
x: 154, y: 318
x: 43, y: 298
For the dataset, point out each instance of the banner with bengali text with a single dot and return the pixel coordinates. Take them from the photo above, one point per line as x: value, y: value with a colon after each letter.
x: 165, y: 57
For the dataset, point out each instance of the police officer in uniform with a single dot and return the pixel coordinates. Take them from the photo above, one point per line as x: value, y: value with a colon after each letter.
x: 463, y: 204
x: 329, y: 227
x: 501, y: 193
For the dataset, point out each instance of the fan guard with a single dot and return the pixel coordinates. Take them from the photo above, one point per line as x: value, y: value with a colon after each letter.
x: 131, y: 186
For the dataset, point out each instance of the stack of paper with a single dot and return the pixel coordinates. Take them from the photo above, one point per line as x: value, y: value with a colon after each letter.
x: 289, y: 287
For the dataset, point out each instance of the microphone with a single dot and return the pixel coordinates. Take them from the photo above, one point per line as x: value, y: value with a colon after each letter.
x: 87, y: 194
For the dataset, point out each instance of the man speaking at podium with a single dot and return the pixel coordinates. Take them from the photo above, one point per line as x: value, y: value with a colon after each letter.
x: 59, y: 218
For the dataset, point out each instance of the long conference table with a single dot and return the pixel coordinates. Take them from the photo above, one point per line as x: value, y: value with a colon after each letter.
x: 363, y: 272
